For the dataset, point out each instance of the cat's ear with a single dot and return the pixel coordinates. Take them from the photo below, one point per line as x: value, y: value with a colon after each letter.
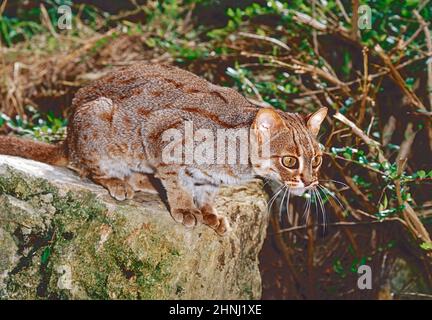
x: 314, y: 120
x: 267, y: 120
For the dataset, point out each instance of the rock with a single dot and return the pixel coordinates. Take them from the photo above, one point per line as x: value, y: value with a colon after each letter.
x: 65, y: 238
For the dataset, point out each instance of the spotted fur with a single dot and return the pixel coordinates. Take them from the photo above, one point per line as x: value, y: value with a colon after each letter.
x: 115, y: 138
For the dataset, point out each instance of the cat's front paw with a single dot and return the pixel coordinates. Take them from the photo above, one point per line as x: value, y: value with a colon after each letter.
x: 223, y: 226
x: 188, y: 217
x: 122, y: 192
x: 215, y: 221
x: 141, y: 182
x: 118, y: 189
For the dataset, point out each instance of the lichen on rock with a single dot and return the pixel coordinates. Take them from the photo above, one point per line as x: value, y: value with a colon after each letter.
x: 62, y: 237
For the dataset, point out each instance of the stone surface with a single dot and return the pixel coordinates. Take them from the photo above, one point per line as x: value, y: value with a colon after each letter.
x: 65, y: 238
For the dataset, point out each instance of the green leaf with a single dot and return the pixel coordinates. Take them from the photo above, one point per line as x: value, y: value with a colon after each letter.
x: 230, y: 12
x: 426, y: 246
x: 354, y: 265
x: 421, y: 174
x: 338, y: 268
x: 45, y: 255
x: 347, y: 155
x: 384, y: 203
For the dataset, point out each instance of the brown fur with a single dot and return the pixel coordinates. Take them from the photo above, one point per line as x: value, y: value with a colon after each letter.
x: 115, y: 138
x: 39, y: 151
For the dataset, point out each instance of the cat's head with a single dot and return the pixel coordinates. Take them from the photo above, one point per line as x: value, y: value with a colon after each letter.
x: 294, y: 156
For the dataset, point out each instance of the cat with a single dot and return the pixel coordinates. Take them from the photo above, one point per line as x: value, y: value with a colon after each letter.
x: 115, y: 137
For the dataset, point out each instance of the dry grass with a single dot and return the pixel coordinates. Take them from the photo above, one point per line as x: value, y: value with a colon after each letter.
x: 298, y: 260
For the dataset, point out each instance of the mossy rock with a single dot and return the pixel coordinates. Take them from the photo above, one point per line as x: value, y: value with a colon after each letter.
x: 62, y: 237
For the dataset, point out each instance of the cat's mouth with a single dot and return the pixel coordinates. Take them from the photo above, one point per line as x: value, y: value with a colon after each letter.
x: 299, y: 188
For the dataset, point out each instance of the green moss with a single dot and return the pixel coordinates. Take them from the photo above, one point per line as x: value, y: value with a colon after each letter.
x: 247, y: 292
x: 21, y: 187
x: 22, y: 285
x: 131, y: 276
x: 112, y: 270
x: 72, y: 212
x: 117, y: 254
x: 98, y: 288
x: 76, y: 209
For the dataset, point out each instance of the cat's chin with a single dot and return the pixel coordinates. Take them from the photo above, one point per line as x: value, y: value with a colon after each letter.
x: 297, y: 191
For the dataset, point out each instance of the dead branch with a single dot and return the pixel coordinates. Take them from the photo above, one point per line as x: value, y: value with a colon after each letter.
x: 428, y: 38
x: 265, y: 38
x: 396, y: 76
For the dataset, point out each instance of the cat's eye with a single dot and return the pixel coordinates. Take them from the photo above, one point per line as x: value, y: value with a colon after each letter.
x: 289, y: 162
x: 316, y: 162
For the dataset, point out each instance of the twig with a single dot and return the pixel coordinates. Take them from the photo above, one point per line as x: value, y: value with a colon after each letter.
x: 286, y: 251
x: 365, y: 87
x: 354, y: 20
x: 415, y: 225
x: 302, y: 67
x: 342, y: 9
x: 354, y: 188
x: 47, y: 21
x: 368, y: 130
x: 3, y: 6
x: 405, y: 146
x: 308, y: 20
x: 355, y: 162
x: 356, y: 130
x: 422, y: 5
x: 265, y: 38
x: 310, y: 259
x: 340, y: 223
x: 404, y: 44
x: 388, y: 130
x: 314, y: 32
x: 416, y: 295
x: 429, y: 46
x: 414, y: 100
x: 261, y: 104
x: 254, y: 89
x: 321, y: 73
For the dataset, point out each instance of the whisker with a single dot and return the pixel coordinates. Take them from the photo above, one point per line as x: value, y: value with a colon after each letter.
x: 335, y: 181
x: 275, y: 192
x: 267, y: 181
x: 324, y: 222
x: 274, y: 197
x: 307, y: 207
x: 316, y: 202
x: 328, y: 192
x: 281, y: 204
x: 324, y: 192
x: 287, y: 203
x: 270, y: 203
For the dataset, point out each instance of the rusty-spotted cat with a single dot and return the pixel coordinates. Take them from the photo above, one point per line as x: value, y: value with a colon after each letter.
x: 116, y: 138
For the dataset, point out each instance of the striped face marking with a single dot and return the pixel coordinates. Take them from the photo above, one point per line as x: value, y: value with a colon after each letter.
x: 295, y: 153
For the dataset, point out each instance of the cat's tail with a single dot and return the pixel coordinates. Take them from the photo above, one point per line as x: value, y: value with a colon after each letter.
x: 55, y: 154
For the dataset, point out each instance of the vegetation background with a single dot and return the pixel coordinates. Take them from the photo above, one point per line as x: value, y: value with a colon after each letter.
x: 294, y: 55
